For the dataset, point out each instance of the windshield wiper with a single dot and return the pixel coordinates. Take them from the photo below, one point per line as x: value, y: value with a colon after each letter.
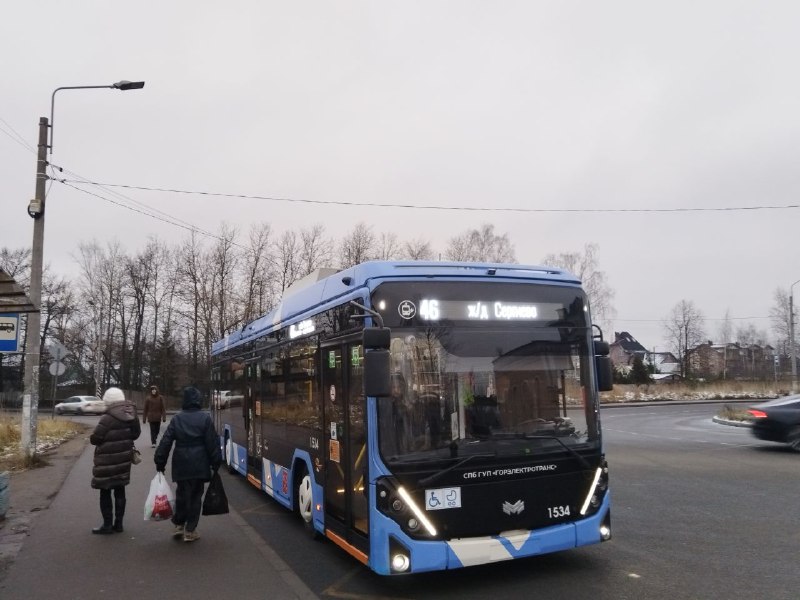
x: 572, y: 451
x: 439, y: 474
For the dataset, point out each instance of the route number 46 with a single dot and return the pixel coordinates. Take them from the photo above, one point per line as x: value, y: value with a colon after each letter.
x: 556, y: 512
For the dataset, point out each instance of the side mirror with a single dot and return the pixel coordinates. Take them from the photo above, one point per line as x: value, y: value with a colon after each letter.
x: 605, y: 373
x: 376, y: 373
x: 377, y: 338
x: 377, y: 361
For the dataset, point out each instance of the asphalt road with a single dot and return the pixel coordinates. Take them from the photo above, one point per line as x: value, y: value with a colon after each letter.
x: 700, y: 510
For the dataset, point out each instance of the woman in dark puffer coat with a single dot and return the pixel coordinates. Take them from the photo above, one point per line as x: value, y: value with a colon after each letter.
x: 113, y: 436
x: 196, y: 454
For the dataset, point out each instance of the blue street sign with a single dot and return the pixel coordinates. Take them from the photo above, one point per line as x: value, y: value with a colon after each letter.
x: 9, y: 332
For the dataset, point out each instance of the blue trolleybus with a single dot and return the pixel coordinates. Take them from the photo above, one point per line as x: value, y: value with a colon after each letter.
x: 424, y: 415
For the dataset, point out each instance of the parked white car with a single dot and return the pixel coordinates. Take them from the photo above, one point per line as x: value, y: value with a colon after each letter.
x: 227, y: 398
x: 81, y: 405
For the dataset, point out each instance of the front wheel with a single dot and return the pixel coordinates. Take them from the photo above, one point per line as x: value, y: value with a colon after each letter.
x: 305, y: 504
x: 229, y: 455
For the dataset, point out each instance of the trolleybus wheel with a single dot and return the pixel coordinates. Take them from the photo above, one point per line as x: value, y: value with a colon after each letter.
x: 229, y: 454
x: 305, y: 503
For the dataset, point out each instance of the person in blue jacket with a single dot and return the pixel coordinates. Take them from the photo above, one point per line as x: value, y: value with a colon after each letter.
x: 197, y: 455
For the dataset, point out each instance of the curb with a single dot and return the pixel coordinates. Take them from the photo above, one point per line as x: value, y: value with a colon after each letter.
x: 731, y: 423
x: 638, y: 403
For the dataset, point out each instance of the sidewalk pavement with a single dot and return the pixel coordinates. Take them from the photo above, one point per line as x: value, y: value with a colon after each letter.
x: 47, y: 549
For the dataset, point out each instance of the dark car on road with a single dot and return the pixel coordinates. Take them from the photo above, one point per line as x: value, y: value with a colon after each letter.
x: 778, y: 421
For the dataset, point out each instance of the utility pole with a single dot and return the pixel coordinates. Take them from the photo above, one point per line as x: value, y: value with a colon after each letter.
x: 791, y: 339
x: 30, y: 399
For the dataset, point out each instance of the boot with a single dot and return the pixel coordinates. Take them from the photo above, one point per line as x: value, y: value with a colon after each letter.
x: 120, y: 510
x: 107, y: 510
x: 104, y: 528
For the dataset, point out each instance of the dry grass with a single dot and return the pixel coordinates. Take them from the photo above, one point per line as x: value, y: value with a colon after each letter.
x: 726, y: 390
x: 49, y: 434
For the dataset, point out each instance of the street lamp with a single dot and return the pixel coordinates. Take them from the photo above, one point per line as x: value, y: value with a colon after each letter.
x: 30, y: 399
x: 791, y: 336
x: 120, y: 85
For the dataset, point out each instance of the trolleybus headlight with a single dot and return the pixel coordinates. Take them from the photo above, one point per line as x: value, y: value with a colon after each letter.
x: 399, y: 556
x: 418, y: 513
x: 400, y: 563
x: 605, y: 527
x: 597, y: 489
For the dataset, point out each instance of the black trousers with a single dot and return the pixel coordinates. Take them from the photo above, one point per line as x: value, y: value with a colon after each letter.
x: 107, y: 507
x: 155, y: 427
x: 188, y: 503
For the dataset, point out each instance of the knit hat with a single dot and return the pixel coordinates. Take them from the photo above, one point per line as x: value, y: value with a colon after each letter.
x: 114, y: 394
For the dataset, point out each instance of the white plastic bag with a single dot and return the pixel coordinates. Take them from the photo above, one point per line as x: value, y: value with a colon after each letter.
x: 160, y: 503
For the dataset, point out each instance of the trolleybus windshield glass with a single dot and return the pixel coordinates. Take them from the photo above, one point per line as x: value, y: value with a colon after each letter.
x: 515, y: 379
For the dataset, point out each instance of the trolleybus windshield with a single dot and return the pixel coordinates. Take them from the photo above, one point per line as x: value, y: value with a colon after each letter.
x: 493, y: 370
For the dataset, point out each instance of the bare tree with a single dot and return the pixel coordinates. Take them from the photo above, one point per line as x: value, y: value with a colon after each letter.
x: 101, y: 284
x: 163, y: 299
x: 256, y: 263
x: 316, y: 250
x: 139, y: 271
x: 286, y: 262
x: 481, y: 245
x: 418, y: 249
x: 358, y: 246
x: 780, y: 316
x: 223, y: 268
x: 586, y: 266
x: 17, y: 264
x: 725, y: 329
x: 388, y: 246
x: 748, y: 334
x: 683, y: 330
x: 194, y: 288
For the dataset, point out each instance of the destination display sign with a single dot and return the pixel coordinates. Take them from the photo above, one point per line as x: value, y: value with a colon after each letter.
x: 433, y: 309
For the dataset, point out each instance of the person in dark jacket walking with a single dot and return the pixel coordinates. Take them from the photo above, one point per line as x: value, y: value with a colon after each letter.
x: 113, y: 437
x: 154, y: 412
x: 196, y: 454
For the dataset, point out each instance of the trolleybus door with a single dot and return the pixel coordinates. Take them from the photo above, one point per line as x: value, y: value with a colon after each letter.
x: 346, y: 484
x: 251, y: 410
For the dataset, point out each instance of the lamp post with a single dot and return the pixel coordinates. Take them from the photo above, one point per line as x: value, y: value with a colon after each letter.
x: 791, y: 336
x: 30, y: 399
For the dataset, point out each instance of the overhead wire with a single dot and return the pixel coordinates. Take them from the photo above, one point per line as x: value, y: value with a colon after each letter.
x: 437, y: 206
x: 16, y: 138
x: 186, y: 225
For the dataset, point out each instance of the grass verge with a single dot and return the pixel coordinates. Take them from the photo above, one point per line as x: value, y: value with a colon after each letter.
x: 49, y: 434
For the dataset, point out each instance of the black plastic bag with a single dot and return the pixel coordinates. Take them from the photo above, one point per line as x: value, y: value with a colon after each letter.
x: 215, y: 501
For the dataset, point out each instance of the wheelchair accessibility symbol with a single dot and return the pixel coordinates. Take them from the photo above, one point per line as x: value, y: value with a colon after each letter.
x: 442, y: 498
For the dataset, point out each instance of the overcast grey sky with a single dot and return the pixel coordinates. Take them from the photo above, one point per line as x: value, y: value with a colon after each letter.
x: 541, y: 105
